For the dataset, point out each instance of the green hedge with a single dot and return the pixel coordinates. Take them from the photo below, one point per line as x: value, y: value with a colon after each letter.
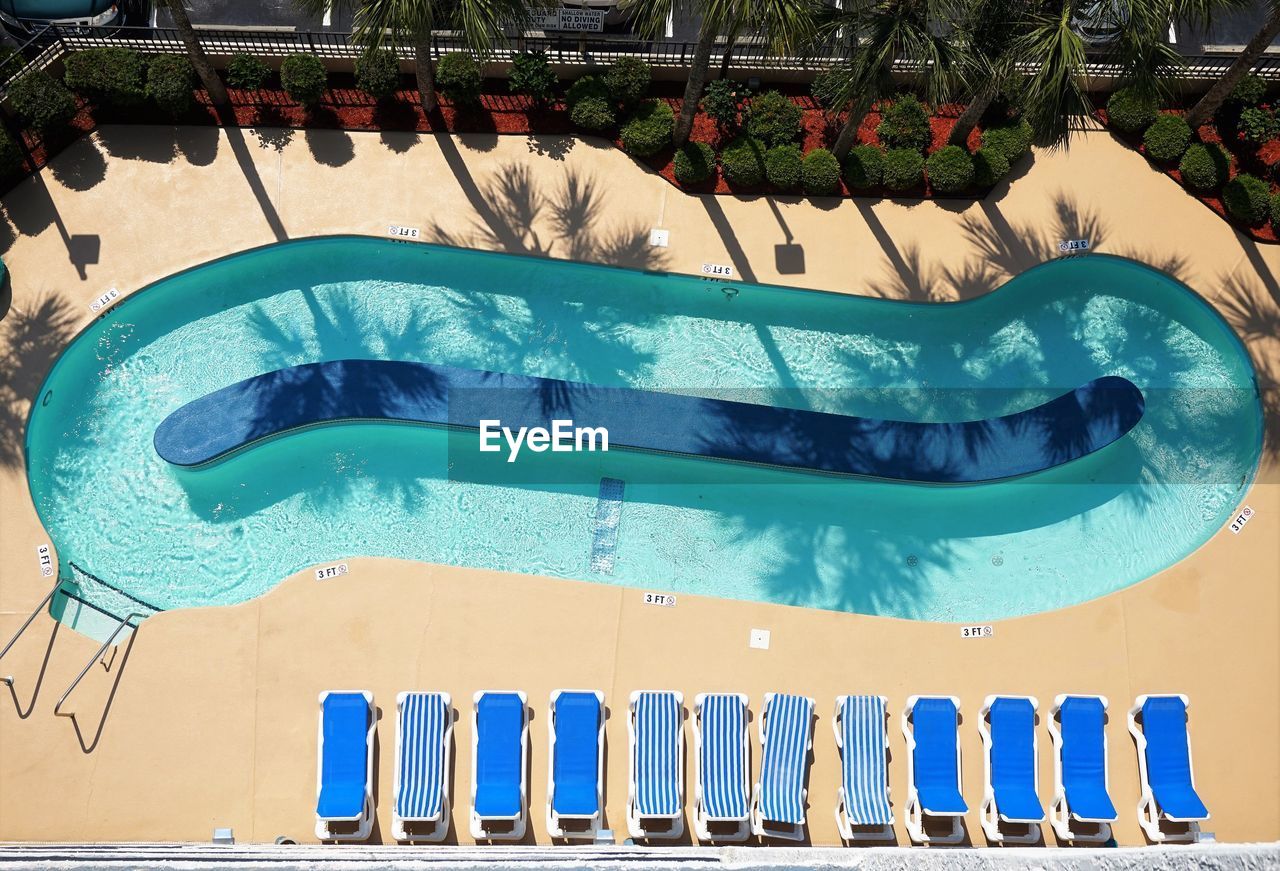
x: 532, y: 76
x: 1249, y: 91
x: 864, y: 167
x: 820, y: 174
x: 378, y: 73
x: 246, y: 72
x: 1247, y: 198
x: 112, y: 75
x: 42, y: 101
x: 694, y: 163
x: 782, y: 165
x: 1257, y: 125
x: 10, y: 154
x: 742, y: 161
x: 774, y: 119
x: 1167, y: 138
x: 1012, y: 140
x: 905, y: 124
x: 723, y: 101
x: 1204, y: 167
x: 648, y: 130
x: 170, y: 79
x: 587, y: 87
x: 1130, y: 111
x: 950, y: 170
x: 903, y: 169
x: 593, y: 113
x: 627, y: 80
x: 304, y: 78
x: 1275, y: 213
x: 458, y: 78
x: 989, y: 166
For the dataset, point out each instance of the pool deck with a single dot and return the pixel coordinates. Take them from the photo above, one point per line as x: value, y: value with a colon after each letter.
x: 209, y: 717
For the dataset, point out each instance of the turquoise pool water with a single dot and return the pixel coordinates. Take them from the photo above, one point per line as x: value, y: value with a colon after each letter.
x: 224, y: 534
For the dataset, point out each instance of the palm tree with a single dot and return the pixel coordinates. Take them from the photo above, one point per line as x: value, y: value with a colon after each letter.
x: 883, y: 31
x: 786, y: 24
x: 208, y: 75
x: 986, y: 29
x: 1205, y: 108
x: 413, y: 21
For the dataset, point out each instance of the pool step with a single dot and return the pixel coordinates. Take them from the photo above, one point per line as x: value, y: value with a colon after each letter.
x: 604, y: 534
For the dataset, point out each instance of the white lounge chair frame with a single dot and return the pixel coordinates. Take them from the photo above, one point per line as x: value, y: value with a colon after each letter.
x: 635, y: 823
x: 477, y: 822
x: 1149, y: 812
x: 843, y: 823
x: 364, y: 821
x: 1060, y: 815
x: 554, y: 827
x: 991, y: 816
x: 399, y: 824
x: 701, y: 821
x: 761, y: 825
x: 913, y: 814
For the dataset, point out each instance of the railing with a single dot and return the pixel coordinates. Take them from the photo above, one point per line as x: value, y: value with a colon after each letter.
x: 99, y: 654
x: 7, y: 680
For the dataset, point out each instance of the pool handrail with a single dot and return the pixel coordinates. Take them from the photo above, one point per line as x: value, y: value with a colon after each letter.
x: 7, y: 680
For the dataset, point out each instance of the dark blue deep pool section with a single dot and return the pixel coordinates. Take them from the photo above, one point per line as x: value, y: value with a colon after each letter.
x: 1063, y: 429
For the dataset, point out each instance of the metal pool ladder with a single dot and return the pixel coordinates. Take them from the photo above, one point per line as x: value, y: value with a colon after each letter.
x: 100, y: 654
x: 7, y: 680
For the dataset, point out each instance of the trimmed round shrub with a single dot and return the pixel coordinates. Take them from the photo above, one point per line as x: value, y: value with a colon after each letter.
x: 905, y: 124
x: 593, y: 113
x: 1167, y: 138
x: 782, y: 166
x: 42, y: 100
x: 864, y: 167
x: 10, y: 154
x: 378, y: 73
x: 774, y: 119
x: 1249, y: 91
x: 458, y: 78
x: 627, y: 80
x: 586, y: 87
x: 531, y: 75
x: 820, y: 174
x: 723, y: 101
x: 1257, y: 125
x: 648, y: 130
x: 989, y: 166
x: 1012, y: 140
x: 1204, y: 167
x: 1247, y: 198
x: 1129, y: 111
x: 1275, y: 213
x: 903, y: 169
x: 743, y: 161
x: 246, y: 72
x: 950, y: 170
x: 112, y: 75
x: 304, y: 78
x: 170, y: 79
x: 694, y: 163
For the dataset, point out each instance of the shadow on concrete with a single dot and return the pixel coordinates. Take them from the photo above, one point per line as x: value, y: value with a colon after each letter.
x: 235, y: 138
x: 330, y: 147
x: 31, y: 337
x: 81, y: 166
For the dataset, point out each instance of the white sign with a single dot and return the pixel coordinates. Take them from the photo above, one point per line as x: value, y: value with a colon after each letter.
x: 580, y: 20
x: 759, y: 639
x: 977, y: 631
x: 666, y: 600
x: 1237, y: 523
x: 1071, y: 246
x: 719, y: 270
x: 659, y: 238
x: 397, y: 232
x: 331, y: 571
x: 46, y: 560
x: 105, y: 300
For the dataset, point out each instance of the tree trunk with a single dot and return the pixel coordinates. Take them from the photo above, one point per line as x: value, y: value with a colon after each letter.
x: 204, y: 69
x: 971, y: 115
x: 730, y: 41
x: 425, y: 70
x: 849, y: 132
x: 1209, y: 103
x: 697, y: 80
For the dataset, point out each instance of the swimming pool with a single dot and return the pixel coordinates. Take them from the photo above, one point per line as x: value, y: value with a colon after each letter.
x: 223, y: 534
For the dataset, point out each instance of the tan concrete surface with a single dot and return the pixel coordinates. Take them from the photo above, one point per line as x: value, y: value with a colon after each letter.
x: 209, y: 717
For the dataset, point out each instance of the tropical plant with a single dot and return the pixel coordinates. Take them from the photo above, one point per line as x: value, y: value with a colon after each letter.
x: 304, y: 78
x: 378, y: 73
x: 458, y: 78
x: 950, y: 170
x: 10, y: 154
x: 742, y: 161
x: 1247, y: 198
x: 195, y: 53
x: 169, y: 81
x: 113, y: 75
x: 724, y: 103
x: 1203, y: 110
x: 903, y: 169
x: 774, y: 119
x: 648, y: 130
x: 1167, y: 138
x: 782, y: 166
x: 820, y: 174
x: 42, y: 100
x: 1204, y: 167
x: 1257, y: 125
x: 905, y: 124
x: 246, y: 72
x: 627, y: 80
x: 987, y: 31
x: 863, y: 167
x: 1249, y: 91
x: 532, y: 76
x: 694, y: 163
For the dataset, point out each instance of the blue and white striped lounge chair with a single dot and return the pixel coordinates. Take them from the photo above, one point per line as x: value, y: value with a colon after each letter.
x: 722, y: 760
x: 499, y: 765
x: 344, y: 766
x: 1164, y: 766
x: 655, y: 795
x: 424, y: 731
x: 1010, y: 768
x: 1081, y: 794
x: 931, y: 726
x: 786, y: 737
x: 863, y: 812
x: 575, y: 763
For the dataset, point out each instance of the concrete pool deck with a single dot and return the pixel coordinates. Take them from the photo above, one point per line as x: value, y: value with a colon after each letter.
x: 208, y: 718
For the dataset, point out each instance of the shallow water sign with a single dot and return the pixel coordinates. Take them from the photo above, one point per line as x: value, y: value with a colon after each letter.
x: 396, y: 231
x: 1237, y: 523
x: 985, y: 631
x: 105, y: 300
x: 334, y: 571
x: 45, y: 555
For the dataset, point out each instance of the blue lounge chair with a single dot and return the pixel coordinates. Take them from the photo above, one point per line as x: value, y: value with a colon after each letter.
x: 1080, y: 782
x: 499, y: 765
x: 1011, y: 759
x: 786, y: 737
x: 424, y: 729
x: 723, y: 766
x: 1164, y: 765
x: 863, y: 812
x: 575, y: 770
x: 931, y: 726
x: 655, y: 795
x: 344, y: 766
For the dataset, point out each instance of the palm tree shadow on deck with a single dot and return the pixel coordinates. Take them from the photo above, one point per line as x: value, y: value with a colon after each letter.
x: 32, y: 336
